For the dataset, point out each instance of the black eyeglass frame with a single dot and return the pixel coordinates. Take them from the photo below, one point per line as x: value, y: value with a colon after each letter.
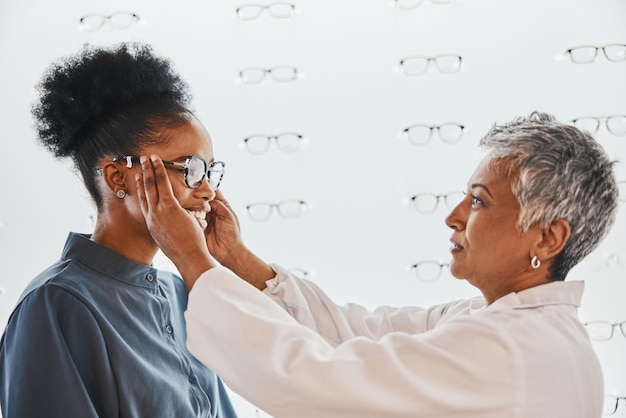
x: 208, y: 168
x: 595, y: 54
x: 615, y: 404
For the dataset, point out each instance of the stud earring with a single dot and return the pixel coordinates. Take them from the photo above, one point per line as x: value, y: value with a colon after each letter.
x: 121, y: 193
x: 535, y: 263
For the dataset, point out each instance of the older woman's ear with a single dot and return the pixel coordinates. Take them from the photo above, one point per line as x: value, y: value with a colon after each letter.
x: 553, y: 239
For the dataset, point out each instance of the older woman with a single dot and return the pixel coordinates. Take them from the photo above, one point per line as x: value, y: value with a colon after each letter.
x: 101, y: 333
x: 543, y: 198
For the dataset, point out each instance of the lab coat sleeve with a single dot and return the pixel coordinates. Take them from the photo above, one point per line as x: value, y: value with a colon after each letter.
x: 289, y: 370
x: 53, y: 360
x: 310, y: 306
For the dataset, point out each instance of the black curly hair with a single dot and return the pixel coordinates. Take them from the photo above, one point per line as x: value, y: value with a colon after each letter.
x: 104, y: 102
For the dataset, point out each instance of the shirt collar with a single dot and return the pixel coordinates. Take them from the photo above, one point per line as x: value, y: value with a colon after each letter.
x: 553, y: 293
x: 79, y: 247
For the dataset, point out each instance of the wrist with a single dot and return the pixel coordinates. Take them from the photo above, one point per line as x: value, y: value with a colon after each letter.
x: 193, y: 265
x: 245, y: 264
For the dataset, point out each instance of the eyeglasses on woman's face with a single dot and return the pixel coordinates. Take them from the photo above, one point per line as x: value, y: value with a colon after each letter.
x: 195, y: 169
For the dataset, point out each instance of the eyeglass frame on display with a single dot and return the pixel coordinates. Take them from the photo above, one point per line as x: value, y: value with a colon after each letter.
x: 570, y: 53
x: 406, y: 133
x: 267, y: 7
x: 302, y: 207
x: 428, y: 60
x: 185, y: 166
x: 276, y: 138
x: 616, y: 404
x: 271, y: 72
x: 419, y: 3
x: 612, y: 325
x: 300, y: 272
x: 612, y: 259
x: 109, y: 18
x: 598, y: 121
x: 621, y: 186
x: 437, y: 197
x: 414, y: 269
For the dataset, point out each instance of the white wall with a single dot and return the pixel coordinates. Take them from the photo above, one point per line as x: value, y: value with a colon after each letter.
x: 351, y: 103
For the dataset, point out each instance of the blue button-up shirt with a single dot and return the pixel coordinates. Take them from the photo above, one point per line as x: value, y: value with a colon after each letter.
x: 99, y: 335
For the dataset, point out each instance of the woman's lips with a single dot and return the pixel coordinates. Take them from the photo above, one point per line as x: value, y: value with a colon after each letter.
x: 200, y: 216
x: 455, y: 248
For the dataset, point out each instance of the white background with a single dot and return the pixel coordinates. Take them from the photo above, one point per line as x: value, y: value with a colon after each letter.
x: 351, y: 101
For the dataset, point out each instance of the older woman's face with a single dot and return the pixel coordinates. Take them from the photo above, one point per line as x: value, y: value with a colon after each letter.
x: 487, y: 248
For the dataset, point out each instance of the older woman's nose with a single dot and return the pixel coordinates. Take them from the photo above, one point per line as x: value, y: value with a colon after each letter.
x: 457, y: 217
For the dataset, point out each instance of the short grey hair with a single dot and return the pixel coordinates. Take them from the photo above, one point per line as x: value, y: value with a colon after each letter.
x: 559, y: 172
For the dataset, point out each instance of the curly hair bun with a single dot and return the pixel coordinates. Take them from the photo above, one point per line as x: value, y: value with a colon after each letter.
x: 79, y: 90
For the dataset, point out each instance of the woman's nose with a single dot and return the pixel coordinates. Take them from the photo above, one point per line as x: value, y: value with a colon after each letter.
x: 205, y: 191
x: 457, y: 217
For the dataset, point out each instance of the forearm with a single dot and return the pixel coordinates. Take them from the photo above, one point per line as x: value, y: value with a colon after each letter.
x: 245, y: 264
x: 192, y: 265
x: 311, y: 306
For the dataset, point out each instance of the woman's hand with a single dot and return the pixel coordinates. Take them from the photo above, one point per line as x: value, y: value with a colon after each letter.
x: 173, y: 229
x: 223, y: 236
x: 223, y: 239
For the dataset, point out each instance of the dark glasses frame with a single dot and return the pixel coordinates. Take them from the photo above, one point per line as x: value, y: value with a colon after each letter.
x: 208, y: 169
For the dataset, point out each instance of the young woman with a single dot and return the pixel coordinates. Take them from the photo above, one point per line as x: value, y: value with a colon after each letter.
x: 101, y: 333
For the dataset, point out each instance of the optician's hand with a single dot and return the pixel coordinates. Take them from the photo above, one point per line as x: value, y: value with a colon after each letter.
x: 175, y: 230
x: 224, y: 242
x: 223, y: 236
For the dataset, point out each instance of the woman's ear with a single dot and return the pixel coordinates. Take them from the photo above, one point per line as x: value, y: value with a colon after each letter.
x: 553, y: 239
x: 114, y: 178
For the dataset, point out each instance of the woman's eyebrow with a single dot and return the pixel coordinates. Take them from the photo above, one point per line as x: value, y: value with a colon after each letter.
x: 482, y: 186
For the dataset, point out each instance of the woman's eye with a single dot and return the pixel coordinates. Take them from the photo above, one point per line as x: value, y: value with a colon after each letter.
x: 476, y: 201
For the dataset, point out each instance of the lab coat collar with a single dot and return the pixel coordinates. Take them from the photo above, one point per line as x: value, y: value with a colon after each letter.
x: 553, y: 293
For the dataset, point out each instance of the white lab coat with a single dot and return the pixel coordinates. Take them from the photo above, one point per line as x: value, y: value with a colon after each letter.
x: 525, y: 355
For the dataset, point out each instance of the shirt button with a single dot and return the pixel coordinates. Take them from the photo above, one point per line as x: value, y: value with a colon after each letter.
x: 168, y: 328
x: 149, y: 277
x: 192, y: 380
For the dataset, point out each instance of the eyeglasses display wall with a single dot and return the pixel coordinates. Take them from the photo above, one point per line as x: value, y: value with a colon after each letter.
x: 348, y: 131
